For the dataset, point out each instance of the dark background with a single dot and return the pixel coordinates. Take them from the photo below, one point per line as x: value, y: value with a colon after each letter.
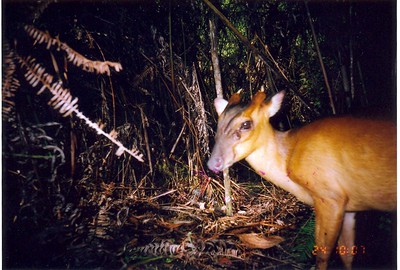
x: 35, y: 235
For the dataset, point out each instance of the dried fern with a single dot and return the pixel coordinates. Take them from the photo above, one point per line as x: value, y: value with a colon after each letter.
x: 100, y: 67
x: 10, y: 84
x: 190, y: 249
x: 63, y: 101
x: 198, y: 107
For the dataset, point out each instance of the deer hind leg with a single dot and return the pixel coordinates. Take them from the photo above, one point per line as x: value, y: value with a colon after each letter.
x: 329, y: 219
x: 346, y: 239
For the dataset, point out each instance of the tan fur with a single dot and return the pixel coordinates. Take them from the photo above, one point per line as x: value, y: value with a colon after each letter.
x: 337, y: 165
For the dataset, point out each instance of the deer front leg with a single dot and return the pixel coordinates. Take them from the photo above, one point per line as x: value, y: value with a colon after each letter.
x: 329, y: 219
x: 346, y: 238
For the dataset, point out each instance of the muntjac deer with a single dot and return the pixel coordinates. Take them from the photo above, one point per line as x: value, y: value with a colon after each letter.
x: 337, y: 165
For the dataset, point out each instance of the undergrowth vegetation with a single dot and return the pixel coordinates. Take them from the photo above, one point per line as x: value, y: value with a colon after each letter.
x: 121, y: 182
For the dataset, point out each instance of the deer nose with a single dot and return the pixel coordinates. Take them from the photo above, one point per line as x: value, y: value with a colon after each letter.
x: 215, y: 164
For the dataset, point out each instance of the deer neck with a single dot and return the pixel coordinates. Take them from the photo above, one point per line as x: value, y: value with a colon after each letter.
x: 269, y: 160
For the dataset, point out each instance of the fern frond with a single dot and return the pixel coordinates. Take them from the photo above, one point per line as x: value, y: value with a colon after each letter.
x: 100, y: 67
x: 191, y: 249
x: 305, y: 241
x: 10, y: 84
x: 64, y: 102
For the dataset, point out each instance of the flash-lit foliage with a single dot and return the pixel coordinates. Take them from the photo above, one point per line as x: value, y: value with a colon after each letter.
x: 74, y: 204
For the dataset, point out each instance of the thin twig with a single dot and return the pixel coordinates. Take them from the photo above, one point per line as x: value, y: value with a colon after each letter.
x: 321, y: 62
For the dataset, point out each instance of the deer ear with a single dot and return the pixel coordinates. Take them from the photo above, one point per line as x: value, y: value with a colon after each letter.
x: 275, y: 103
x: 220, y: 105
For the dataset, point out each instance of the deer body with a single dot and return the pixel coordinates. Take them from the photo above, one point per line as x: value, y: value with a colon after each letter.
x: 337, y: 165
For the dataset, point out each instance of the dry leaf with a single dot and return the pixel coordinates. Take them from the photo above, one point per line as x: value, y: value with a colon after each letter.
x: 224, y: 261
x: 174, y: 224
x: 254, y: 240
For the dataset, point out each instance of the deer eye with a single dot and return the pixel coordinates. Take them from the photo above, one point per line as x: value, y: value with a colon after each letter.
x: 246, y: 125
